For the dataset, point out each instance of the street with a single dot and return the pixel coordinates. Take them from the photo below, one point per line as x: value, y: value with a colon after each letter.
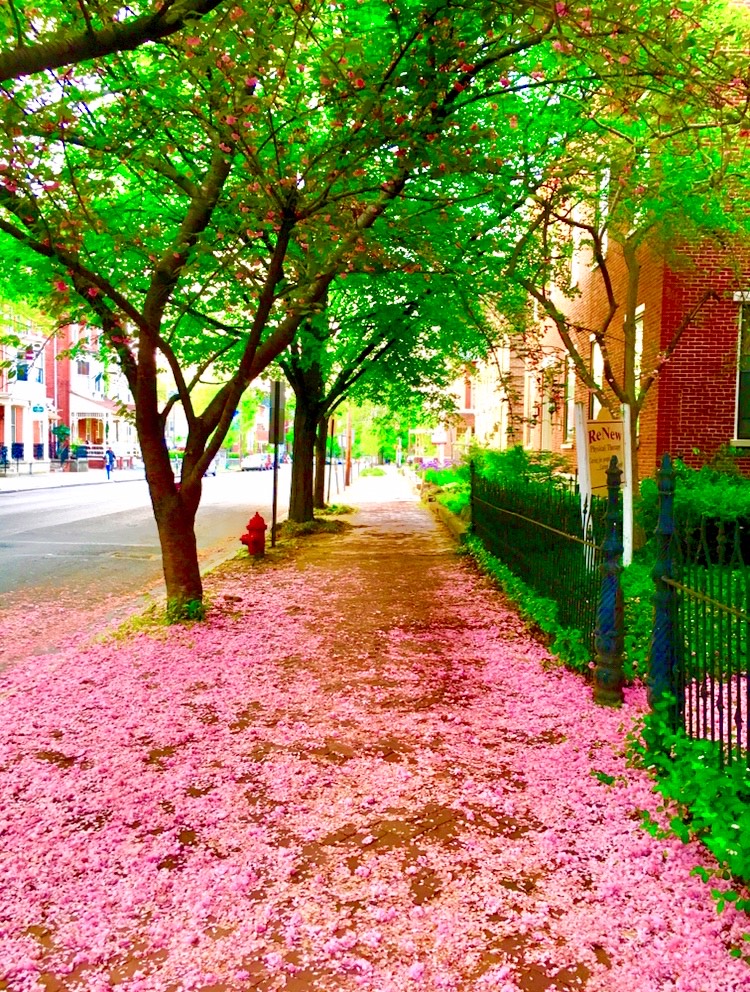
x: 94, y: 548
x: 107, y: 534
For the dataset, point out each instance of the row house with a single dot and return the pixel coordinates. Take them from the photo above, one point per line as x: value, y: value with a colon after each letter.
x: 54, y: 404
x: 699, y: 406
x: 92, y: 398
x: 514, y: 397
x: 26, y: 412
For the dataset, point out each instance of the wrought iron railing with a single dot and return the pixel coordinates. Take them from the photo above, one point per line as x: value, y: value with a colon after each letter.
x: 701, y: 648
x: 542, y: 534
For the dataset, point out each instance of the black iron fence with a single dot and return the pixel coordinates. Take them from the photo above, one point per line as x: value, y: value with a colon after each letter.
x: 542, y: 533
x: 701, y: 646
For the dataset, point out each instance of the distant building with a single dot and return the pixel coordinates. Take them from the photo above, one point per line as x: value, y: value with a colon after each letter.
x: 25, y: 411
x: 50, y: 400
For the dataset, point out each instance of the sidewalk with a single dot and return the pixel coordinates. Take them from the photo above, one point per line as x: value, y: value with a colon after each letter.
x: 17, y: 482
x: 360, y: 774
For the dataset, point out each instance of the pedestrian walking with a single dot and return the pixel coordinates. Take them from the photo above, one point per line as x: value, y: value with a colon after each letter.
x: 109, y: 461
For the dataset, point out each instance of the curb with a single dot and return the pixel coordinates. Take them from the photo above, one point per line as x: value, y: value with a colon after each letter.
x: 458, y: 528
x: 43, y: 487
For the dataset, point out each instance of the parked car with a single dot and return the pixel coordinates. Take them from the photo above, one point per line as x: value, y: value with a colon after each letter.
x: 256, y: 462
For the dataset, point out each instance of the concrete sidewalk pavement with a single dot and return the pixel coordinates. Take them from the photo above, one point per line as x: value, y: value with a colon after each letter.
x: 361, y: 774
x: 17, y: 482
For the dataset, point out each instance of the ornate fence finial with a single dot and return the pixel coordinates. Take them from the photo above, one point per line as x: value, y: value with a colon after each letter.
x: 609, y: 619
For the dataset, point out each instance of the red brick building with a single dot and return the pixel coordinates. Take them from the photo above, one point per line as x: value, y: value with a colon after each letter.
x: 699, y: 404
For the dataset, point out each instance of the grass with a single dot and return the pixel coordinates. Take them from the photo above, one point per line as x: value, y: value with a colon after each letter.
x: 290, y: 529
x: 336, y: 510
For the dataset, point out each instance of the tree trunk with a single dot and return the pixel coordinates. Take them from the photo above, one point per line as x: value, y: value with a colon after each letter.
x: 321, y: 442
x: 174, y: 511
x: 179, y: 551
x: 301, y: 495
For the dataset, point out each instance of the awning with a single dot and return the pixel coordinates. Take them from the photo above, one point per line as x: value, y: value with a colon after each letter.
x: 86, y: 408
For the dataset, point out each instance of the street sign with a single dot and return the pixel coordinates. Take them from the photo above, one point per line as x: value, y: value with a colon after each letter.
x: 276, y: 414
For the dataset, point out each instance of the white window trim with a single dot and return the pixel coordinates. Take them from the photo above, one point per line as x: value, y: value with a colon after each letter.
x: 739, y: 442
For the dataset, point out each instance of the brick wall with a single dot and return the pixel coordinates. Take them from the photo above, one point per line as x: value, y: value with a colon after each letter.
x: 698, y: 388
x: 690, y: 409
x: 590, y: 308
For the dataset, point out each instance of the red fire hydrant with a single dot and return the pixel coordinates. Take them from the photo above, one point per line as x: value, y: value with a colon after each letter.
x: 255, y: 538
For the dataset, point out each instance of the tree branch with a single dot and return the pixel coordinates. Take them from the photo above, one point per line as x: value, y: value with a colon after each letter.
x: 59, y: 48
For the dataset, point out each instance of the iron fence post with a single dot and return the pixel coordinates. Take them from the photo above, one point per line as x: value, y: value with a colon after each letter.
x: 609, y: 618
x: 662, y: 653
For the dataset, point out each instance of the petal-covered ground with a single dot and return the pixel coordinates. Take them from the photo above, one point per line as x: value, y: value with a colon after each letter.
x: 360, y: 774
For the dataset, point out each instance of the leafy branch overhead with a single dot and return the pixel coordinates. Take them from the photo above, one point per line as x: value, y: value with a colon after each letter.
x: 201, y: 198
x: 66, y: 34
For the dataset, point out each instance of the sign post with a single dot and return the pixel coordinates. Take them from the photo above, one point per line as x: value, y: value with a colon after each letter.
x: 627, y: 489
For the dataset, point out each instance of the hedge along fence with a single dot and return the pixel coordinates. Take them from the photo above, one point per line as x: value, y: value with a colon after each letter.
x: 713, y: 802
x: 539, y: 532
x: 716, y: 496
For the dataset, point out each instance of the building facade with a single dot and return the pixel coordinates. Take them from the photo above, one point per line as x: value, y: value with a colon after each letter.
x: 57, y: 397
x: 25, y: 411
x: 698, y: 408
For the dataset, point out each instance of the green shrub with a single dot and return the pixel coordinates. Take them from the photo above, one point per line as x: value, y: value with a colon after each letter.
x: 517, y: 463
x: 637, y: 592
x: 698, y: 492
x: 455, y: 499
x: 185, y: 611
x: 450, y: 475
x: 373, y: 471
x: 566, y: 642
x: 712, y: 802
x: 335, y: 510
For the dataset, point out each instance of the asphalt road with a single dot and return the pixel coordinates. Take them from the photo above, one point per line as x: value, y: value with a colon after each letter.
x: 97, y: 541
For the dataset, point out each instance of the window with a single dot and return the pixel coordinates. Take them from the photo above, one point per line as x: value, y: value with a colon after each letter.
x: 82, y: 367
x: 596, y: 364
x: 638, y: 352
x: 531, y: 408
x: 575, y: 234
x: 468, y: 399
x: 569, y: 402
x: 638, y: 360
x: 23, y: 358
x: 743, y: 375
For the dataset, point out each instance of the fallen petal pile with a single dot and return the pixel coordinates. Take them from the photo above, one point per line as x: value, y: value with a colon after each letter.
x: 361, y: 774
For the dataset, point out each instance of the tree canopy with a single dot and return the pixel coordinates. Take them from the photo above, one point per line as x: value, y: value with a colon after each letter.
x: 197, y: 199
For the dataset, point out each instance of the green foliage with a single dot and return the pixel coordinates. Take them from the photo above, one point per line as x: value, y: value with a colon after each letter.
x: 450, y: 475
x: 637, y: 591
x: 518, y: 463
x: 567, y: 643
x: 455, y: 498
x: 707, y: 801
x: 451, y: 487
x: 181, y: 611
x: 336, y: 510
x: 373, y: 470
x: 320, y: 525
x: 707, y: 491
